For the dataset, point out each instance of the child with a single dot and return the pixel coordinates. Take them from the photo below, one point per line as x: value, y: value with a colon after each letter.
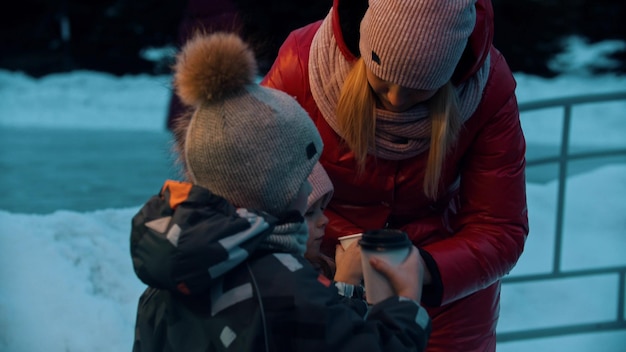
x: 347, y: 273
x: 316, y: 220
x: 223, y: 254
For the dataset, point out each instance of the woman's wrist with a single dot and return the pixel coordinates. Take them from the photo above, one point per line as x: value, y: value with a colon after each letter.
x: 426, y: 275
x: 428, y: 279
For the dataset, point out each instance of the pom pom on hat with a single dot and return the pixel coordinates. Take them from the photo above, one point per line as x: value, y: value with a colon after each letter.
x: 252, y: 145
x: 210, y: 67
x: 416, y: 43
x: 322, y: 186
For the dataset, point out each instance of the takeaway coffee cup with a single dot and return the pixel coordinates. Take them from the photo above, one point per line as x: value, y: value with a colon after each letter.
x: 347, y: 241
x: 391, y: 245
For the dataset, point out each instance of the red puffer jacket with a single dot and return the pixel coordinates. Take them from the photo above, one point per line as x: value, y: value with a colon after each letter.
x: 475, y: 232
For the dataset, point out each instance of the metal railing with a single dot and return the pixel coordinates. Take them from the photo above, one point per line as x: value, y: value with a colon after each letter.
x: 563, y: 159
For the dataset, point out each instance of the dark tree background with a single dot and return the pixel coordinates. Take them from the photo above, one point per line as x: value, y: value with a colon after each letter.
x: 45, y: 36
x: 530, y: 32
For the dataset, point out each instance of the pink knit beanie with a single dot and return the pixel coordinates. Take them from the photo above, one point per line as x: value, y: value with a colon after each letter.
x: 322, y: 186
x: 416, y: 43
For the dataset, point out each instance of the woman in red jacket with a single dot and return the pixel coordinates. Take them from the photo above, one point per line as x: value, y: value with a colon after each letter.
x: 421, y: 131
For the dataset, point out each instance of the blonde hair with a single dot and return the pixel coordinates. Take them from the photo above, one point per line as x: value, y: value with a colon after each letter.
x: 445, y: 127
x: 356, y: 120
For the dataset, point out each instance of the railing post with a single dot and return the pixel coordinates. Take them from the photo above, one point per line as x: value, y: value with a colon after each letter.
x: 563, y: 158
x: 621, y: 296
x: 562, y: 188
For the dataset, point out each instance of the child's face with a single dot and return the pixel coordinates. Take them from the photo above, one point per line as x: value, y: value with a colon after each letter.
x: 317, y: 221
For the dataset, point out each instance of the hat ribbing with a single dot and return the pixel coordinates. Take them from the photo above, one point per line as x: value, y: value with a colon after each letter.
x: 252, y: 145
x: 416, y: 43
x: 322, y: 186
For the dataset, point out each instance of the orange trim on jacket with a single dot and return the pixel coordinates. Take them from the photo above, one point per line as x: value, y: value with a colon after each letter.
x: 178, y: 192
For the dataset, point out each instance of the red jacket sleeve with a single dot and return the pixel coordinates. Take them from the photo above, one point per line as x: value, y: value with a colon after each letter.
x: 491, y: 225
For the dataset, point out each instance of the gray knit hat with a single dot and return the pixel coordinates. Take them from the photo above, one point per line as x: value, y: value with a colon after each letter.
x: 252, y: 145
x: 416, y: 43
x: 322, y: 186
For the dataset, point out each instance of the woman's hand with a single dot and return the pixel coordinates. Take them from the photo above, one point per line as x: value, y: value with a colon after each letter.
x: 348, y: 264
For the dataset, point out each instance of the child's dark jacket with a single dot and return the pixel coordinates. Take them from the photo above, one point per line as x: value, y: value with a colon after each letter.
x: 212, y: 288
